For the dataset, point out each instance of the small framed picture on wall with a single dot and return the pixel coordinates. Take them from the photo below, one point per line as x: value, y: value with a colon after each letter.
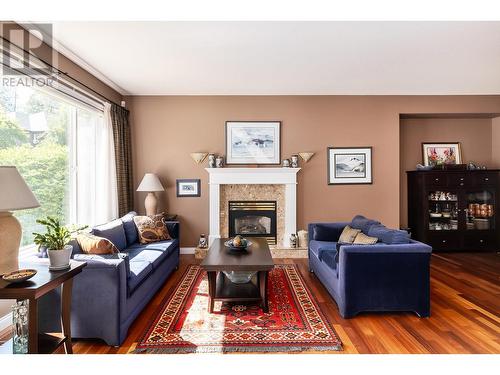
x: 188, y: 188
x: 349, y: 165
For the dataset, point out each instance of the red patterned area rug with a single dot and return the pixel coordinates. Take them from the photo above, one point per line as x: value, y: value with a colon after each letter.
x: 294, y: 322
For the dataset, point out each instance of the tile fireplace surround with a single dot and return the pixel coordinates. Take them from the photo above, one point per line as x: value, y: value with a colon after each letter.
x: 277, y: 184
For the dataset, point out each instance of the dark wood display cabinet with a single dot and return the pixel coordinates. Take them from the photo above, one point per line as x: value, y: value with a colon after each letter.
x: 455, y: 210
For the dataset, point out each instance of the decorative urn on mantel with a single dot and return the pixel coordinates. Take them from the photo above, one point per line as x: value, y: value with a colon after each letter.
x: 287, y: 177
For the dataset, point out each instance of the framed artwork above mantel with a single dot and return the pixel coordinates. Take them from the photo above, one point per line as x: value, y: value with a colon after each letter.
x: 253, y: 142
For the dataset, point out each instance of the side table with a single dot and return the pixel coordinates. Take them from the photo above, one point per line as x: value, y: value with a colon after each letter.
x: 42, y: 283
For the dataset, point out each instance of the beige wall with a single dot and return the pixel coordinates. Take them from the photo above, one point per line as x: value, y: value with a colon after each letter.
x: 475, y: 136
x: 166, y: 129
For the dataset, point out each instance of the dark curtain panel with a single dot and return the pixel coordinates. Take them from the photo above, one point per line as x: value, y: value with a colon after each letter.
x: 123, y: 155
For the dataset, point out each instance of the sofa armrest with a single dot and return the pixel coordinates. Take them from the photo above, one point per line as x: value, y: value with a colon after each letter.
x: 173, y: 229
x: 336, y: 230
x: 412, y: 247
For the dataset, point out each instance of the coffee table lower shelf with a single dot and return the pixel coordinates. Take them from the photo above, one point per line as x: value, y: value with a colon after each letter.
x: 223, y: 289
x: 47, y: 343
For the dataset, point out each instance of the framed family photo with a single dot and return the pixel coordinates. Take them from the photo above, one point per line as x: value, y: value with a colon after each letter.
x: 188, y: 188
x: 437, y: 154
x: 349, y: 165
x: 253, y: 142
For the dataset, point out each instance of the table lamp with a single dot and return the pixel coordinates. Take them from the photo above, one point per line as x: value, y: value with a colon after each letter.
x: 14, y: 195
x: 150, y: 183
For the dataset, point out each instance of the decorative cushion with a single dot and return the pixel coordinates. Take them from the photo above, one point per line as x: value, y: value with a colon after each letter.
x: 129, y: 228
x: 324, y: 233
x: 151, y: 228
x: 389, y: 236
x: 362, y: 223
x: 348, y: 235
x: 90, y: 244
x: 114, y: 232
x: 363, y: 239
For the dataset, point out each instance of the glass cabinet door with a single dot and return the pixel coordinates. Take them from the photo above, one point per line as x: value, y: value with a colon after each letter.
x: 443, y: 210
x: 480, y: 209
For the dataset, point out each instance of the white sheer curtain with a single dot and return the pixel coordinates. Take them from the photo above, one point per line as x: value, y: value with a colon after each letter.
x: 107, y: 198
x: 96, y: 187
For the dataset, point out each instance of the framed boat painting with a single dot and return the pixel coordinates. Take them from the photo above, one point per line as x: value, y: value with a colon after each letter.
x: 349, y: 165
x: 253, y: 142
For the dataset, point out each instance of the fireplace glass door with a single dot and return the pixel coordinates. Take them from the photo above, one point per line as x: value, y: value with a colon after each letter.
x: 253, y: 219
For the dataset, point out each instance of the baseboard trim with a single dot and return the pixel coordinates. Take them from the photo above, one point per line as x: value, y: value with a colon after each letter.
x: 5, y: 322
x: 187, y: 250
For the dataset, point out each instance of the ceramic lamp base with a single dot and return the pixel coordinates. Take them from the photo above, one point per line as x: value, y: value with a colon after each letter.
x: 151, y: 204
x: 10, y: 239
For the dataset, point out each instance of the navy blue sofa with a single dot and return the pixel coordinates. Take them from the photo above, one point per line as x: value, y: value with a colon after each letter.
x: 113, y: 289
x: 391, y: 275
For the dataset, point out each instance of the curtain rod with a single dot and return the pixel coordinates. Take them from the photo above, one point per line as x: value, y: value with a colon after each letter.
x: 58, y: 71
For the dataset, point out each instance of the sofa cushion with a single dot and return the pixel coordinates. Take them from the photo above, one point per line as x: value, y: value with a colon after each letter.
x: 324, y: 233
x: 92, y: 244
x: 114, y: 232
x: 129, y: 228
x: 389, y: 236
x: 348, y: 234
x: 362, y: 223
x: 139, y: 271
x: 318, y: 248
x: 363, y: 239
x: 331, y: 260
x: 154, y: 253
x: 151, y: 228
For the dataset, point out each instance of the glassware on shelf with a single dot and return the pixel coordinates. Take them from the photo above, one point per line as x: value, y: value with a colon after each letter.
x: 20, y: 327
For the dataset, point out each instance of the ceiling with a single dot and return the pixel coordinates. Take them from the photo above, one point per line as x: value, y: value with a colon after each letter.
x: 288, y: 58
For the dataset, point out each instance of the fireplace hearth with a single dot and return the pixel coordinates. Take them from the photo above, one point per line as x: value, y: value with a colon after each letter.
x: 253, y: 219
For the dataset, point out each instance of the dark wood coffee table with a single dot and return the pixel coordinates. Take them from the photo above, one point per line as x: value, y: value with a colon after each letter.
x: 257, y: 258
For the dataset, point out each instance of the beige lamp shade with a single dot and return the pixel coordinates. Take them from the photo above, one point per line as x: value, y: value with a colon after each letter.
x: 150, y: 182
x: 14, y: 193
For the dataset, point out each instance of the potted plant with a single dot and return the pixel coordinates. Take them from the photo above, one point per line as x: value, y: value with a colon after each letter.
x: 55, y: 241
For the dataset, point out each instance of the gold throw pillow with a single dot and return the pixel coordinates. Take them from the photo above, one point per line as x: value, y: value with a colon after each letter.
x: 91, y: 244
x: 363, y: 239
x: 348, y: 234
x: 151, y: 228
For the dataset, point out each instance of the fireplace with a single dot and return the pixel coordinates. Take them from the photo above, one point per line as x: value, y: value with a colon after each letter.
x: 253, y: 219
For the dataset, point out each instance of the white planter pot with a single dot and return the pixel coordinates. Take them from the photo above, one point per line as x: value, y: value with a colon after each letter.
x: 60, y: 258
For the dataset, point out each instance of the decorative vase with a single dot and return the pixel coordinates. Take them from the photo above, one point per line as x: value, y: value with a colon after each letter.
x: 219, y: 162
x: 211, y: 160
x: 20, y: 327
x: 293, y: 241
x: 202, y: 244
x: 59, y: 259
x: 303, y: 238
x: 295, y: 161
x: 286, y: 163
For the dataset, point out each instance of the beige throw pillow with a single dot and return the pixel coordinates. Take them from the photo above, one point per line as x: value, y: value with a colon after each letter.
x: 151, y: 228
x: 363, y: 239
x: 348, y: 235
x: 91, y: 244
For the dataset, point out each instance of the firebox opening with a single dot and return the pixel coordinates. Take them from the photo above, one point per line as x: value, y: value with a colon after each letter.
x: 253, y: 219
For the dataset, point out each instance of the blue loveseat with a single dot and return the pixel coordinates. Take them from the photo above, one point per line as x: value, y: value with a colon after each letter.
x: 113, y: 289
x: 391, y: 275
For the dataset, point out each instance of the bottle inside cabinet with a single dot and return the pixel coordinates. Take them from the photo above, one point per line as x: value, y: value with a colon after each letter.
x: 443, y: 211
x: 480, y: 210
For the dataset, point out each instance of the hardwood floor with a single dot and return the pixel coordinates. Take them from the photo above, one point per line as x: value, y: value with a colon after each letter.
x: 465, y: 312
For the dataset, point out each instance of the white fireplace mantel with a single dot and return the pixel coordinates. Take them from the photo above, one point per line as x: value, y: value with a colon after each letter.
x: 261, y: 176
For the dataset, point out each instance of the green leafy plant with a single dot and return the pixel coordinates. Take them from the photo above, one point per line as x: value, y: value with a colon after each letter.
x: 57, y: 235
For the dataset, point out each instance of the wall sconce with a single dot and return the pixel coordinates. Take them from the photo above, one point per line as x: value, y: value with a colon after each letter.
x: 198, y: 157
x: 306, y: 156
